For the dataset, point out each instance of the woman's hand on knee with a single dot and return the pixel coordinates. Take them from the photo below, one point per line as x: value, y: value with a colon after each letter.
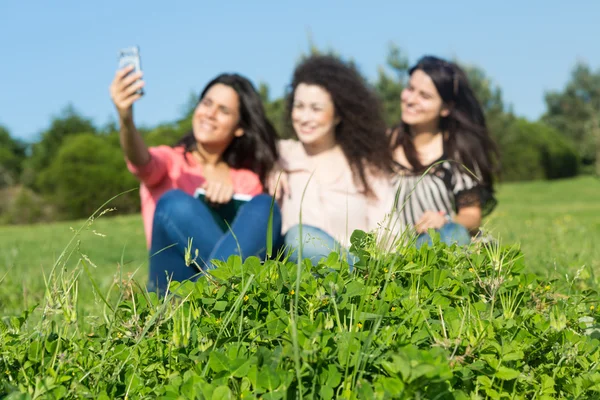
x: 431, y: 220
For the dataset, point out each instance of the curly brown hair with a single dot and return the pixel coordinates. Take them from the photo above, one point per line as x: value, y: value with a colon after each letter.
x: 361, y: 133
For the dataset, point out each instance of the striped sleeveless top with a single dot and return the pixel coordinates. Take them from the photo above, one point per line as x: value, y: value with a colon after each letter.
x: 444, y: 187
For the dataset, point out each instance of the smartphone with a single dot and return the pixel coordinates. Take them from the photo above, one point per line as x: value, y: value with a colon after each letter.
x: 131, y: 56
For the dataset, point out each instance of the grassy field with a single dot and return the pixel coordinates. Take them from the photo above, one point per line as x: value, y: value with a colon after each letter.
x: 431, y: 323
x: 556, y: 223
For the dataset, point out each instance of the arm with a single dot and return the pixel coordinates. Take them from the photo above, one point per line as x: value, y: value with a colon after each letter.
x: 123, y: 93
x: 132, y: 142
x: 278, y: 183
x: 469, y: 198
x: 277, y: 180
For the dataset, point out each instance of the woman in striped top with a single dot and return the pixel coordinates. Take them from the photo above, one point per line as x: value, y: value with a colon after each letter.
x: 445, y: 155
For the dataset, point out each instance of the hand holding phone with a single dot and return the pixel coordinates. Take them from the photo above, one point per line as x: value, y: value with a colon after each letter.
x: 127, y: 85
x: 131, y: 57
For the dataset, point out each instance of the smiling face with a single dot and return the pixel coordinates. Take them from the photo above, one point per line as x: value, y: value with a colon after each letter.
x: 216, y: 117
x: 313, y: 117
x: 421, y: 103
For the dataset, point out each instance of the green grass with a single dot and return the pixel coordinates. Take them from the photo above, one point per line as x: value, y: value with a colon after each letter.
x: 115, y: 245
x: 555, y: 222
x: 441, y: 322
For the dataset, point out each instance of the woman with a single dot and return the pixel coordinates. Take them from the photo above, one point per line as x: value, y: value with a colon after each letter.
x: 340, y: 163
x: 445, y: 155
x: 230, y: 149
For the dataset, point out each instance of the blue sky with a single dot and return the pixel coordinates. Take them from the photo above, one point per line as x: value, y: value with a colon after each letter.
x: 60, y: 52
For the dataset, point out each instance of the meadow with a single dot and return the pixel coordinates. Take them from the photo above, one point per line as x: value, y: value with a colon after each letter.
x: 519, y: 320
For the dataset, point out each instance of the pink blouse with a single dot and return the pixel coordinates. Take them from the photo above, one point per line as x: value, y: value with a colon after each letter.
x: 332, y: 201
x: 171, y: 168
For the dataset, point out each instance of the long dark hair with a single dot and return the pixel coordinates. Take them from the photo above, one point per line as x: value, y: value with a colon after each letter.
x: 256, y: 149
x: 466, y: 137
x: 361, y: 132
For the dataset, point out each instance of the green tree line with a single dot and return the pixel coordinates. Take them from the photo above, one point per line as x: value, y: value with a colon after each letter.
x: 75, y: 166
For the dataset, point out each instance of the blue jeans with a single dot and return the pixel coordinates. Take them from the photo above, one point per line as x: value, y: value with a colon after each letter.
x: 179, y: 216
x: 449, y: 234
x: 316, y: 244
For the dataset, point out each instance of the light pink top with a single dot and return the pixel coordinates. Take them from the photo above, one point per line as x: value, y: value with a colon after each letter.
x: 170, y: 168
x: 332, y: 201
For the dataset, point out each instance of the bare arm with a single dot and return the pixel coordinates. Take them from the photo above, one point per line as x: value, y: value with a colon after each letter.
x: 123, y: 93
x: 469, y: 217
x: 132, y: 142
x: 277, y: 180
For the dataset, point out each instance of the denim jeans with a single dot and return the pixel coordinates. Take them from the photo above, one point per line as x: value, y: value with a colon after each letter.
x: 179, y: 216
x: 316, y: 244
x: 449, y: 234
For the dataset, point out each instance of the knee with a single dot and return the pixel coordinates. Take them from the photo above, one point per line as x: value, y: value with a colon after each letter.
x: 173, y: 204
x: 263, y: 203
x: 308, y: 234
x: 455, y: 233
x: 292, y: 236
x: 454, y: 228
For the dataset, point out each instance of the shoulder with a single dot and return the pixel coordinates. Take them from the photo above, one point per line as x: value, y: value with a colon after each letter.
x: 380, y: 182
x: 289, y: 146
x: 291, y: 154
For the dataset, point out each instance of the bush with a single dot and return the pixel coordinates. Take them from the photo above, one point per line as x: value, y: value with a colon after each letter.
x: 70, y: 122
x: 532, y: 150
x: 20, y: 205
x: 167, y: 134
x: 87, y: 171
x: 12, y: 154
x: 442, y: 322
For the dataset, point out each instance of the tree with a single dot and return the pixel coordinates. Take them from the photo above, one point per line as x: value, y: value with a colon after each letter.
x: 275, y: 111
x: 166, y: 134
x: 87, y: 171
x: 389, y: 86
x: 12, y: 155
x: 314, y: 50
x: 68, y: 123
x: 488, y: 94
x: 534, y: 150
x: 575, y: 112
x: 499, y: 121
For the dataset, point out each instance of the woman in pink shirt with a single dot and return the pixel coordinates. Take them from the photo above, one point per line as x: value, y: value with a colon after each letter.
x: 342, y: 158
x: 230, y: 149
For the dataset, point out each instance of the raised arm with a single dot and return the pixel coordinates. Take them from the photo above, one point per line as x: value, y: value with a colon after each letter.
x: 123, y: 91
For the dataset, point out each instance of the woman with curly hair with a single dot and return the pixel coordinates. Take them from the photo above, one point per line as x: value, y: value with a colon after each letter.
x: 337, y: 172
x: 445, y: 154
